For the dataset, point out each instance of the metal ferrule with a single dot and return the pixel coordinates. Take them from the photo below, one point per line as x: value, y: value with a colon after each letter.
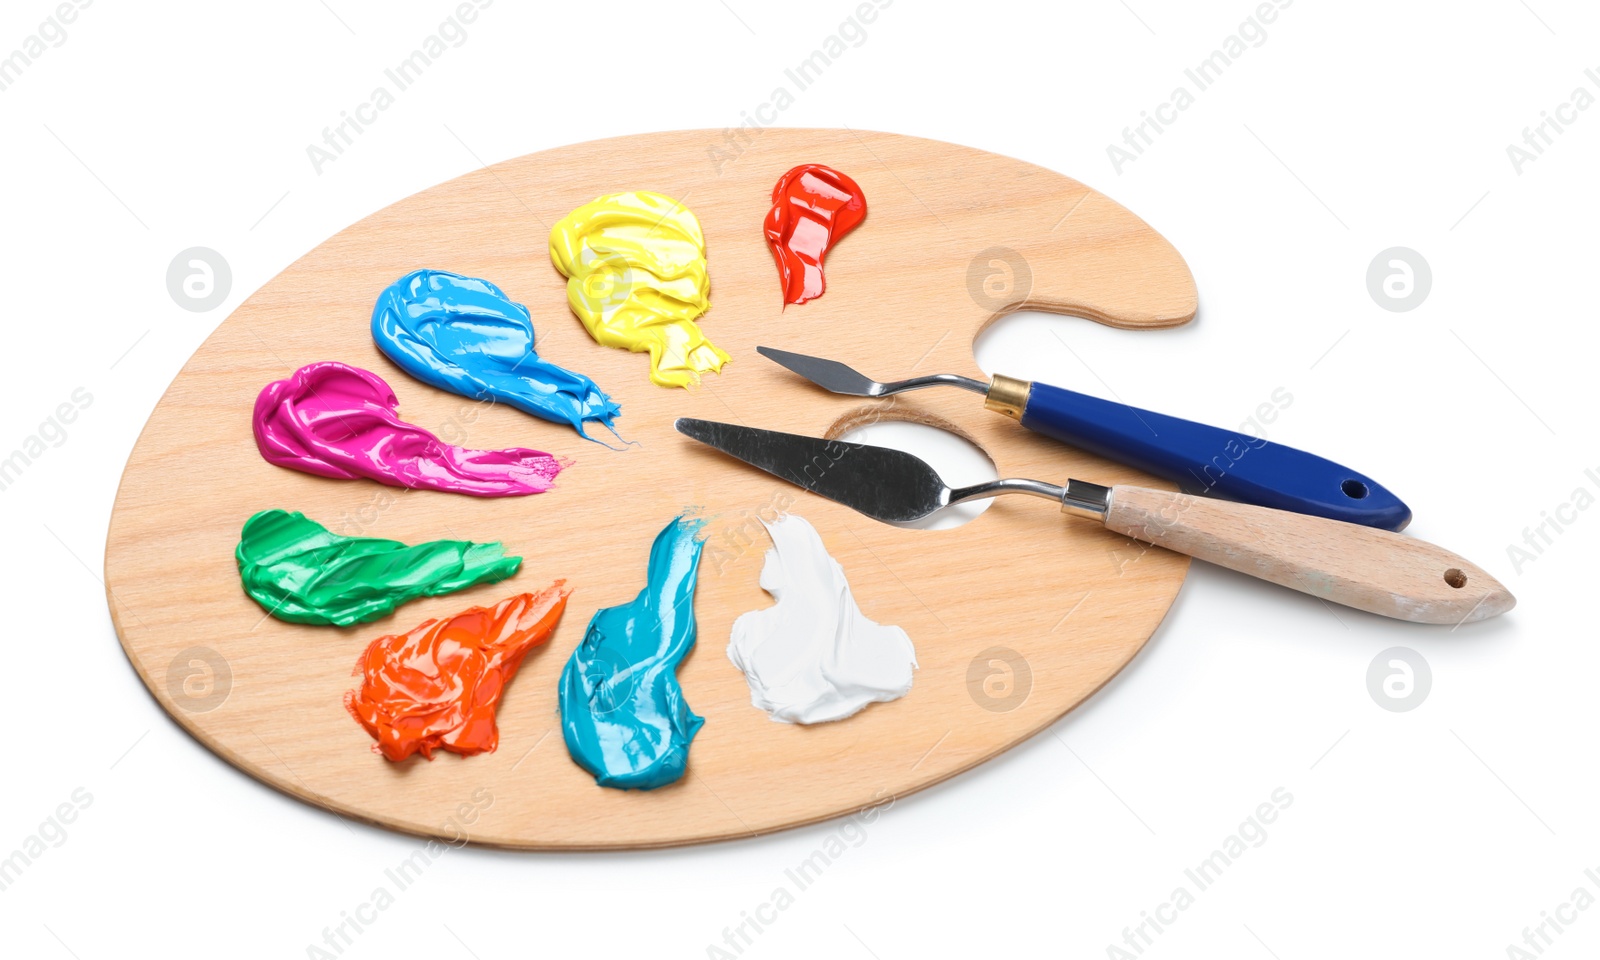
x: 1091, y: 501
x: 1007, y: 395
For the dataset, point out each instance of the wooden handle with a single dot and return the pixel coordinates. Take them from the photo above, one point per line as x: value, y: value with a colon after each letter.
x: 1373, y: 570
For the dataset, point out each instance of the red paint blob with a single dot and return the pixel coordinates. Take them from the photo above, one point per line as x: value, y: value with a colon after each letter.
x: 813, y: 207
x: 438, y: 686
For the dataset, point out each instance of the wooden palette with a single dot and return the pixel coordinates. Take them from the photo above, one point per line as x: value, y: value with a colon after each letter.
x: 1016, y: 616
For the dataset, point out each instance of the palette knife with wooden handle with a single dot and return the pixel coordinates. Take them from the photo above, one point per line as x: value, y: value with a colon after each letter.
x: 1374, y: 570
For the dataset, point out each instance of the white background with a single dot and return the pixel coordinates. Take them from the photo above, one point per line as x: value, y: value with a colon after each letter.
x: 1352, y: 128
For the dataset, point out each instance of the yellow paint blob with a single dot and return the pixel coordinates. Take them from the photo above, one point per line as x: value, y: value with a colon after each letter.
x: 635, y: 265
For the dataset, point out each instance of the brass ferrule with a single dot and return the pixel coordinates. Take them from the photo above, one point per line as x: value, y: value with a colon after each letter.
x: 1007, y: 395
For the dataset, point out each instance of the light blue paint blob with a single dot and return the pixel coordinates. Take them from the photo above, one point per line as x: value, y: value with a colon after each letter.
x: 466, y: 336
x: 622, y: 711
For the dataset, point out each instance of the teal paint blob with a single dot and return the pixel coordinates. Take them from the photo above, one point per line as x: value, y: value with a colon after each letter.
x: 622, y: 711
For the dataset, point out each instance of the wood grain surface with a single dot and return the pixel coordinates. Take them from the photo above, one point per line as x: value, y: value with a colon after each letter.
x: 1378, y: 571
x: 1016, y: 616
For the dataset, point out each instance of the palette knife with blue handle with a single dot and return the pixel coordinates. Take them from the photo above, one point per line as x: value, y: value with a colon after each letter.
x: 1198, y: 458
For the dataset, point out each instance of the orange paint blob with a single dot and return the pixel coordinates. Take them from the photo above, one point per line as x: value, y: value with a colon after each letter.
x: 812, y: 208
x: 438, y: 685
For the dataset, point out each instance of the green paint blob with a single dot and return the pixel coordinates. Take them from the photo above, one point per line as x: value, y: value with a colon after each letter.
x: 300, y: 572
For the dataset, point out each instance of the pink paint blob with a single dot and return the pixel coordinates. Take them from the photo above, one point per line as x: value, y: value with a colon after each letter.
x: 340, y: 421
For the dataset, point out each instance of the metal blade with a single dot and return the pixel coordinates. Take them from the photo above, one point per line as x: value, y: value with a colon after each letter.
x: 888, y: 485
x: 836, y: 377
x: 827, y: 374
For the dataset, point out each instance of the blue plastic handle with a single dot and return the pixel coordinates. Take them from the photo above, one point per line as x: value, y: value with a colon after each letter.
x: 1213, y: 462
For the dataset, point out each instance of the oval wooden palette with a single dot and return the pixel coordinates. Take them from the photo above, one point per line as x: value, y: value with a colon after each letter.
x: 1016, y: 616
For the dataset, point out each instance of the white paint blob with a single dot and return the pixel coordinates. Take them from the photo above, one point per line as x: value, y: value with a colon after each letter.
x: 813, y: 656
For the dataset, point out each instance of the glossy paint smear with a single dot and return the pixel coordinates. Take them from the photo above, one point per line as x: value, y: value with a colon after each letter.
x: 301, y: 572
x: 635, y: 265
x: 343, y: 422
x: 622, y: 711
x: 466, y: 336
x: 813, y: 207
x: 813, y: 656
x: 438, y: 685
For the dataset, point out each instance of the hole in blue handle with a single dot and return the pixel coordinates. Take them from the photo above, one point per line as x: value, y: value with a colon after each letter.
x: 1354, y: 489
